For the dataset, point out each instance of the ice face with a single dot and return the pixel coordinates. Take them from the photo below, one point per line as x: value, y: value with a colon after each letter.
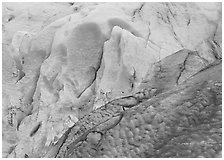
x: 84, y: 47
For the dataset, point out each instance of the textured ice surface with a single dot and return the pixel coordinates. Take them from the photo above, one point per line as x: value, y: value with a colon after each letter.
x: 62, y: 61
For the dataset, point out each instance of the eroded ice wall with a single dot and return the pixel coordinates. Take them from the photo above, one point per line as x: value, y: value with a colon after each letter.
x: 61, y: 61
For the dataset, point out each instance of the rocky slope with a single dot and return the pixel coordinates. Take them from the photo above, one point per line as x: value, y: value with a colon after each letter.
x: 112, y: 79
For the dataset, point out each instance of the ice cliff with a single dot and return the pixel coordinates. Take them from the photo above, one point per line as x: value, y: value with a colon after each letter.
x: 63, y: 61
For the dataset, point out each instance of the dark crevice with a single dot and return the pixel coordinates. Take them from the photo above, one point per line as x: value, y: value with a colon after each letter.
x: 10, y: 9
x: 160, y: 16
x: 216, y: 28
x: 182, y: 68
x: 11, y: 149
x: 71, y: 3
x: 188, y: 22
x: 35, y: 84
x: 216, y: 43
x: 173, y: 15
x: 11, y: 18
x: 214, y: 50
x: 132, y: 79
x: 35, y: 129
x: 138, y: 10
x: 172, y: 29
x: 26, y: 155
x: 21, y: 75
